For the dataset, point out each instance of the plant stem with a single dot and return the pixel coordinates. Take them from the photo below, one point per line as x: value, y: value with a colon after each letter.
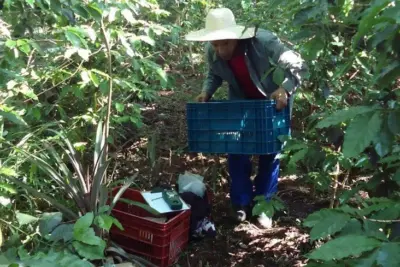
x: 382, y: 221
x: 110, y: 88
x: 335, y: 184
x: 25, y: 233
x: 63, y: 81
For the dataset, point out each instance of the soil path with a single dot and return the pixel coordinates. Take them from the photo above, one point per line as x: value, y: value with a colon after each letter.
x: 235, y: 245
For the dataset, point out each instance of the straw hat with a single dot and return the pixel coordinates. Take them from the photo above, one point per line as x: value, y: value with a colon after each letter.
x: 221, y: 25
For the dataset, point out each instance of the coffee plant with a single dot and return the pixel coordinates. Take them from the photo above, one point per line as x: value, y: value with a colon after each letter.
x: 350, y: 105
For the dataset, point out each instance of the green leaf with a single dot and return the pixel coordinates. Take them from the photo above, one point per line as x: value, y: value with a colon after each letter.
x: 23, y: 218
x: 128, y: 15
x: 88, y: 237
x: 382, y: 36
x: 326, y: 222
x: 343, y: 69
x: 278, y: 76
x: 104, y: 209
x: 389, y: 213
x: 90, y: 252
x: 344, y: 115
x: 367, y: 261
x: 105, y: 75
x: 81, y: 11
x: 120, y: 107
x: 62, y: 232
x: 299, y: 155
x: 91, y: 33
x: 389, y: 74
x: 267, y: 73
x: 384, y: 141
x: 373, y: 230
x: 313, y: 48
x: 263, y: 206
x: 104, y: 221
x: 147, y: 40
x: 11, y: 43
x: 4, y: 261
x: 389, y: 255
x: 9, y: 188
x: 23, y: 253
x: 326, y: 264
x: 112, y: 14
x: 347, y: 7
x: 162, y: 74
x: 24, y: 46
x: 278, y: 204
x: 314, y: 218
x: 66, y: 211
x: 369, y: 20
x: 27, y: 91
x: 352, y: 227
x: 121, y: 191
x: 73, y: 38
x: 49, y: 221
x: 84, y: 54
x: 375, y: 207
x: 95, y: 11
x: 55, y: 6
x: 69, y: 259
x: 394, y: 121
x: 13, y: 117
x: 94, y: 78
x: 354, y: 143
x: 69, y: 52
x: 343, y: 247
x: 396, y: 177
x: 390, y: 159
x: 85, y: 76
x: 83, y: 224
x: 118, y: 224
x: 7, y: 171
x: 140, y: 205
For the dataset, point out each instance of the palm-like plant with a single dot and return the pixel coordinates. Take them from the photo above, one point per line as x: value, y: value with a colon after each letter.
x: 86, y: 188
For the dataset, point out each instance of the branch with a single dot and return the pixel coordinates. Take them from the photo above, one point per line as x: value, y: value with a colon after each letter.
x: 63, y: 81
x: 382, y: 221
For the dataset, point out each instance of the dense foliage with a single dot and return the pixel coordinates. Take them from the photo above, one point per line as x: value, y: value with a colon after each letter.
x: 73, y: 76
x: 351, y: 103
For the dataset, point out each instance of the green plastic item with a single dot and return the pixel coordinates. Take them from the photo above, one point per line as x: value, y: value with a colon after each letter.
x: 172, y: 198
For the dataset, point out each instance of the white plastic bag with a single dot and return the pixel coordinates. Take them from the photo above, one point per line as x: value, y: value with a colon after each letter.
x: 190, y: 182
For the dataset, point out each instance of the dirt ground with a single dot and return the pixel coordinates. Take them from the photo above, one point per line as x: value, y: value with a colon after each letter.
x: 234, y: 245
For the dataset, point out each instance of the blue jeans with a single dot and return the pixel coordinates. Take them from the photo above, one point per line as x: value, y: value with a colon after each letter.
x: 266, y: 181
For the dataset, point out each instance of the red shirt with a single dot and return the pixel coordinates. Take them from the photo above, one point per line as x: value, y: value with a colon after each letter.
x: 242, y: 75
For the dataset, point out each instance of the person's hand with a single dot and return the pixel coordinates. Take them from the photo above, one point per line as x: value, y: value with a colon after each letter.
x: 280, y: 96
x: 203, y: 97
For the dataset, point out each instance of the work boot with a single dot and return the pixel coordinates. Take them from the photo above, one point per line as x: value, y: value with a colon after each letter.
x: 241, y: 213
x: 264, y: 221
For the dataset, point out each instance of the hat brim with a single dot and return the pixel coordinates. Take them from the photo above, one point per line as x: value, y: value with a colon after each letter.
x: 237, y: 32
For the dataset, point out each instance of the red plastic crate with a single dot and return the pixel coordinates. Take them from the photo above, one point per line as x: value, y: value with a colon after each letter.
x: 160, y: 243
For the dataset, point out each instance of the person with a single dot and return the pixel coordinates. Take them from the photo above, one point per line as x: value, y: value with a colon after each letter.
x: 243, y: 57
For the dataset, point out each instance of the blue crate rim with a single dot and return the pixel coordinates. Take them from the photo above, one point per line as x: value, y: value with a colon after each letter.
x: 266, y: 101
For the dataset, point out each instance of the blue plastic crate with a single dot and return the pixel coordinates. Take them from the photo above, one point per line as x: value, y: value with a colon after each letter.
x: 236, y: 127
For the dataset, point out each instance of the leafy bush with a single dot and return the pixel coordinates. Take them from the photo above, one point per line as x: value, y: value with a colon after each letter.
x: 62, y: 241
x: 352, y: 123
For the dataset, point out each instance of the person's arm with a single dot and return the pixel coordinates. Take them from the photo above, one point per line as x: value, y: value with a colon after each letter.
x: 212, y: 81
x: 291, y: 62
